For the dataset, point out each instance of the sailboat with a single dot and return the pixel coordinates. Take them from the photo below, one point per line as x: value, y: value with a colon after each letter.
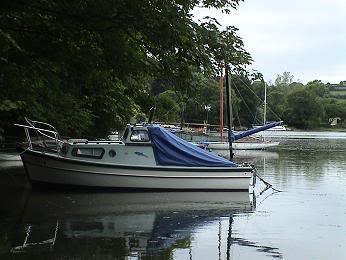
x: 251, y: 143
x: 242, y: 140
x: 269, y: 131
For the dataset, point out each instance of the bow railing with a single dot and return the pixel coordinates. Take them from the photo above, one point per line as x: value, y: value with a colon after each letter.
x: 43, y: 134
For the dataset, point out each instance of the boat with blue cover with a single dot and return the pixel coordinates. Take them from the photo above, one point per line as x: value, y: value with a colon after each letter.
x: 240, y: 143
x: 146, y: 157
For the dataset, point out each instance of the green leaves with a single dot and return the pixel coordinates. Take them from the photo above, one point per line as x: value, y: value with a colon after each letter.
x: 303, y: 106
x: 304, y: 109
x: 8, y: 105
x: 88, y: 66
x: 167, y: 107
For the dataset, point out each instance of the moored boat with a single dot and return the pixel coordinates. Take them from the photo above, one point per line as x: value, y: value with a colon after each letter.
x: 241, y: 145
x: 244, y: 140
x: 146, y: 157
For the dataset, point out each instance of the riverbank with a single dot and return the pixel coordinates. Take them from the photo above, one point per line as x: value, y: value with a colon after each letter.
x: 302, y: 134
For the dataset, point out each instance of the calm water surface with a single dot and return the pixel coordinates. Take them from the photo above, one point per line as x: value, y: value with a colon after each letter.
x: 306, y: 221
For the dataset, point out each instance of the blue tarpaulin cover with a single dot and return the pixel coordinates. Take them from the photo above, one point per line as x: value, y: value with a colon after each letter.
x: 171, y: 150
x: 254, y: 130
x: 239, y: 135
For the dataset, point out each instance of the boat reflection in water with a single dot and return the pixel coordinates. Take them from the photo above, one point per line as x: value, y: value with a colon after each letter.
x: 112, y: 225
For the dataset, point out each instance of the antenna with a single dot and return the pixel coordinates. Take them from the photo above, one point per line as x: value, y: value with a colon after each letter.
x: 152, y: 112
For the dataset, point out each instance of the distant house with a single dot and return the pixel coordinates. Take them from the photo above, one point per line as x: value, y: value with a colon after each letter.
x: 334, y: 121
x: 338, y: 90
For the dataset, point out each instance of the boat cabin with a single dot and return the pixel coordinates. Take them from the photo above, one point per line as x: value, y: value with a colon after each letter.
x: 134, y: 148
x: 143, y: 145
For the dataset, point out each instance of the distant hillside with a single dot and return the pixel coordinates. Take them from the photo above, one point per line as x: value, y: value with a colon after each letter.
x: 338, y: 90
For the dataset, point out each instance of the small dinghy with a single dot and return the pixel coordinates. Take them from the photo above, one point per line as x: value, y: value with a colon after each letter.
x: 146, y: 157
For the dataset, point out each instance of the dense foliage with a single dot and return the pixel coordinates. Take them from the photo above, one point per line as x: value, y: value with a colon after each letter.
x: 88, y: 66
x: 308, y: 106
x: 302, y: 106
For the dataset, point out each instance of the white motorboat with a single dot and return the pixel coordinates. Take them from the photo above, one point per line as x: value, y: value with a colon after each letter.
x: 146, y: 157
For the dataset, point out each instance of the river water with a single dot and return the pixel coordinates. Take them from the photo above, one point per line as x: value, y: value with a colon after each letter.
x: 307, y: 220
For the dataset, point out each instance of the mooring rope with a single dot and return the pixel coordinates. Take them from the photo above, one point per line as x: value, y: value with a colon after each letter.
x: 268, y: 185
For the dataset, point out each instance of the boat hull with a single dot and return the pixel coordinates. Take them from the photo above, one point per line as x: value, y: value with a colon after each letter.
x: 242, y: 146
x: 53, y: 169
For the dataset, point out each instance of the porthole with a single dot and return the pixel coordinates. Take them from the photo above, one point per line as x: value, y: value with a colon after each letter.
x: 112, y: 153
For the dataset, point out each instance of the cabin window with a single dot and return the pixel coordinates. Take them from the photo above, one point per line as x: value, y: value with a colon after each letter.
x: 95, y: 153
x: 139, y: 136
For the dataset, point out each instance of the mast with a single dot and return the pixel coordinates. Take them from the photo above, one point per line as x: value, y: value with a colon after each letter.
x: 229, y: 237
x: 265, y: 104
x: 229, y: 111
x: 182, y: 116
x: 221, y: 105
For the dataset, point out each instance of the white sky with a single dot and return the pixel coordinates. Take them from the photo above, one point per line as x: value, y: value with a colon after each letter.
x: 305, y: 37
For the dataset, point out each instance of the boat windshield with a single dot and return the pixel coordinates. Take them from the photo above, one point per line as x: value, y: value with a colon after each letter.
x: 139, y: 136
